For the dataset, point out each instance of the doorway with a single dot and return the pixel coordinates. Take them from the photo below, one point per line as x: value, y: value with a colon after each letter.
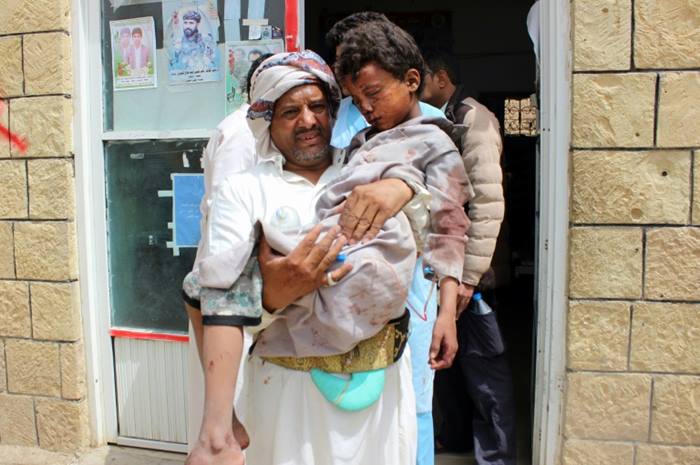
x: 489, y: 41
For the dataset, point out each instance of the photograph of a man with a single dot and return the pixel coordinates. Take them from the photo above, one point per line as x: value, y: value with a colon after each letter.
x: 191, y: 43
x: 138, y: 54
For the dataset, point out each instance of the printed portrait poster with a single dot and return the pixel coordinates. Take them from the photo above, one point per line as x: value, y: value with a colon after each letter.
x: 191, y: 29
x: 133, y: 53
x: 241, y: 55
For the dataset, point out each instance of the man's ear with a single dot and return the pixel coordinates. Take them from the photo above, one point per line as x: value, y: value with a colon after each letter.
x: 412, y: 79
x: 443, y: 79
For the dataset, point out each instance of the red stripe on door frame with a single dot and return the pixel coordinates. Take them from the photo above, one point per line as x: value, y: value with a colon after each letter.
x: 148, y: 335
x: 291, y: 25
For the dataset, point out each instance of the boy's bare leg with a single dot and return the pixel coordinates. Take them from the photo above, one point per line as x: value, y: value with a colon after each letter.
x: 195, y: 316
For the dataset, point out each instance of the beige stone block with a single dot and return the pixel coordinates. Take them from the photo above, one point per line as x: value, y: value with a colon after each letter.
x: 651, y: 454
x: 583, y: 452
x: 15, y: 320
x: 672, y: 258
x: 51, y: 189
x: 666, y: 34
x: 3, y: 372
x: 17, y: 420
x: 73, y: 371
x: 631, y: 187
x: 45, y: 250
x: 13, y: 189
x: 10, y: 66
x: 7, y: 250
x: 666, y: 338
x: 47, y: 64
x: 613, y: 110
x: 602, y: 34
x: 34, y: 15
x: 675, y: 415
x: 613, y: 407
x: 598, y: 335
x: 33, y: 367
x: 63, y: 425
x: 45, y: 123
x: 56, y: 311
x: 696, y: 190
x: 679, y: 109
x: 605, y: 262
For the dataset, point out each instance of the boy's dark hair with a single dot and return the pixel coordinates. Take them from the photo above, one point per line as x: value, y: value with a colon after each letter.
x: 252, y: 69
x: 438, y: 60
x: 137, y: 30
x: 336, y: 34
x: 383, y: 43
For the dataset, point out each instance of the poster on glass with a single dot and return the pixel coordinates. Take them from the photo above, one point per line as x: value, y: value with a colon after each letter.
x: 133, y: 53
x: 191, y: 32
x: 241, y: 54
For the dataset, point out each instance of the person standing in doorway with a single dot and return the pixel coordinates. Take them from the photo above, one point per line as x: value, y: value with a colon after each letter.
x: 481, y: 359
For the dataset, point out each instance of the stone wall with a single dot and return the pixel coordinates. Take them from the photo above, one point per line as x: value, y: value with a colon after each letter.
x: 633, y: 355
x: 42, y: 364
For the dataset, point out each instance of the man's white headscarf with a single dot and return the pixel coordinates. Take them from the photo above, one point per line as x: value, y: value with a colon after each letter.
x: 273, y: 78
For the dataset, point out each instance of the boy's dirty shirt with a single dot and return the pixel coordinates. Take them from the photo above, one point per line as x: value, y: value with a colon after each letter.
x: 333, y: 320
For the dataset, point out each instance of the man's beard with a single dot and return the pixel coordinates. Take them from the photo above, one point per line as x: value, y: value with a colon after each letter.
x: 309, y: 155
x: 189, y: 32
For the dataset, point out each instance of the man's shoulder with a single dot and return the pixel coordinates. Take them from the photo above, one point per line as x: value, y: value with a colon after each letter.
x: 471, y: 110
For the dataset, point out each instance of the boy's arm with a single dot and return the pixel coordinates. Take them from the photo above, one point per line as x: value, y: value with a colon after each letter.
x: 216, y: 444
x: 449, y: 187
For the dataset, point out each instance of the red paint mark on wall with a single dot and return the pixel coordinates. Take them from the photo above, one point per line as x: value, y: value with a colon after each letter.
x: 14, y: 139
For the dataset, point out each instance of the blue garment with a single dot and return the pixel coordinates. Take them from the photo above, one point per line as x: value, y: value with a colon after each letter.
x: 422, y: 303
x: 350, y: 121
x: 425, y: 453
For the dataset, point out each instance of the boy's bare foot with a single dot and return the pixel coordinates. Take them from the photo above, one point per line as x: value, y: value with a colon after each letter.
x: 239, y: 432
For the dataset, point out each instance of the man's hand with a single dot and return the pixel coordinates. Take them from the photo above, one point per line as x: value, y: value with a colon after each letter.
x: 368, y: 207
x: 221, y: 450
x: 443, y: 347
x: 464, y: 296
x: 285, y: 279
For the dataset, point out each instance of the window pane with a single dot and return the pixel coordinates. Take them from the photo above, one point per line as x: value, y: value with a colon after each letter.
x: 145, y: 274
x: 178, y: 56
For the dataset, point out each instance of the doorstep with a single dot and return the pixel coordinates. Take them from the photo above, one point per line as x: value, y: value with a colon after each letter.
x: 108, y: 455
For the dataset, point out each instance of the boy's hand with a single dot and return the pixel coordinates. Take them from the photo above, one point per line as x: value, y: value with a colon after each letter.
x: 443, y: 347
x: 285, y: 279
x: 369, y: 206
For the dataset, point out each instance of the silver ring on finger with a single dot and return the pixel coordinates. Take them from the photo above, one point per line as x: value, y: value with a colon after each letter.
x: 329, y: 279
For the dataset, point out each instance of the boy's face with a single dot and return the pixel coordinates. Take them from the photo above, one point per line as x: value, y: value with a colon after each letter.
x: 383, y: 100
x: 137, y: 39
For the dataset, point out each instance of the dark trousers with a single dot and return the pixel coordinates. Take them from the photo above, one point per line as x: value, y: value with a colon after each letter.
x: 486, y: 378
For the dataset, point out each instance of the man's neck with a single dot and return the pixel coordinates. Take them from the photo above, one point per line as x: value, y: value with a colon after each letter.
x: 310, y: 173
x: 450, y: 90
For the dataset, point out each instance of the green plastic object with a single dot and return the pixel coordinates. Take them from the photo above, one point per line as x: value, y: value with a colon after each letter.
x: 356, y: 393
